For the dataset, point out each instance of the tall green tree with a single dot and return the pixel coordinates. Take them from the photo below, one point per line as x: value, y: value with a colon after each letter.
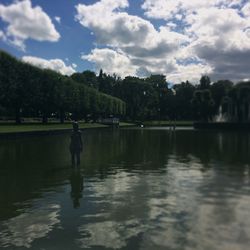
x: 16, y: 90
x: 107, y: 83
x: 203, y: 105
x: 205, y: 82
x: 183, y: 98
x: 87, y: 77
x: 220, y: 89
x: 140, y: 97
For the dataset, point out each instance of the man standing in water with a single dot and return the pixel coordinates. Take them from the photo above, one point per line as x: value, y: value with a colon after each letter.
x: 75, y: 144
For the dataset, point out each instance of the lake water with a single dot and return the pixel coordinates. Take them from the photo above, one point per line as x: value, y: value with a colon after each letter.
x: 135, y: 189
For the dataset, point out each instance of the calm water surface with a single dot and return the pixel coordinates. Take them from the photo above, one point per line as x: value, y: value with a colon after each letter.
x: 135, y: 189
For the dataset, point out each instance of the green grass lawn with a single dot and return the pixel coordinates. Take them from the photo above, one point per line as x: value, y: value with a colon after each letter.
x: 14, y: 128
x: 168, y: 123
x: 44, y: 127
x: 125, y: 124
x: 30, y: 127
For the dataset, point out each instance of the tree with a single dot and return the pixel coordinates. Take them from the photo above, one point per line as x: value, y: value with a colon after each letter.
x: 86, y: 77
x: 46, y: 98
x: 184, y: 94
x: 158, y: 81
x: 219, y: 90
x: 26, y: 89
x: 203, y: 105
x: 140, y: 97
x: 16, y: 90
x: 160, y: 85
x: 106, y: 83
x: 240, y: 101
x: 205, y: 82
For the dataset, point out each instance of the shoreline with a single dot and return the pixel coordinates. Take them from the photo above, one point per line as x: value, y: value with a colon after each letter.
x: 167, y: 123
x: 39, y: 131
x: 237, y: 126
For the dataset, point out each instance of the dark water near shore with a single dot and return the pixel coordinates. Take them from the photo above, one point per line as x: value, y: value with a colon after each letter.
x: 135, y: 189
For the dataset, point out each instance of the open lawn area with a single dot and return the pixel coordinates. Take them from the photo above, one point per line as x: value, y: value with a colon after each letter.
x: 9, y: 128
x: 14, y: 128
x: 168, y: 123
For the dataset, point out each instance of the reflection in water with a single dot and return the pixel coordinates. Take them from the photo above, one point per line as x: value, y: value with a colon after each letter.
x: 171, y: 210
x: 76, y: 182
x: 147, y: 189
x: 108, y: 234
x: 32, y: 224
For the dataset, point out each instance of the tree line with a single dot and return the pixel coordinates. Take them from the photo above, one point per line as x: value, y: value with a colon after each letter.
x: 26, y: 90
x: 153, y: 98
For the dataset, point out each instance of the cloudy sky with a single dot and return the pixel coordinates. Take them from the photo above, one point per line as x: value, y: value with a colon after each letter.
x: 182, y: 39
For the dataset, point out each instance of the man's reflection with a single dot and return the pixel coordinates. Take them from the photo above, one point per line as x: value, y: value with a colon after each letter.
x: 76, y: 182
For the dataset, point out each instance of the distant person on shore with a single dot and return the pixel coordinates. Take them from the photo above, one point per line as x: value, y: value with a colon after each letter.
x: 75, y: 144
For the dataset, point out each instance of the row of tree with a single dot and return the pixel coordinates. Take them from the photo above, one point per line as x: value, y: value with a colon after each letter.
x: 153, y: 98
x: 26, y: 90
x: 29, y: 91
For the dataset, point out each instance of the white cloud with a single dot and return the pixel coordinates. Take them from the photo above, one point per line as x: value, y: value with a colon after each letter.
x: 2, y: 35
x: 218, y: 24
x: 181, y: 49
x: 54, y: 64
x: 119, y: 63
x: 111, y: 62
x: 221, y: 40
x: 112, y: 26
x: 137, y: 47
x: 219, y: 34
x: 88, y: 15
x: 167, y: 9
x: 212, y: 20
x: 58, y: 19
x: 191, y: 72
x: 27, y: 22
x: 119, y: 29
x: 246, y: 10
x: 174, y: 70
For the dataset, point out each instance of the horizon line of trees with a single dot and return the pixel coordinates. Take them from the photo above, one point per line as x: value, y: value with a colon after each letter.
x: 152, y: 98
x: 26, y: 90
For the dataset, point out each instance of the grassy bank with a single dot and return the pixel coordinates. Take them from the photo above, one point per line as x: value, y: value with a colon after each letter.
x: 13, y: 128
x: 168, y: 123
x: 8, y: 128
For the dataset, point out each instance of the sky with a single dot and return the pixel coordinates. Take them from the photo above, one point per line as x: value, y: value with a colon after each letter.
x: 182, y: 39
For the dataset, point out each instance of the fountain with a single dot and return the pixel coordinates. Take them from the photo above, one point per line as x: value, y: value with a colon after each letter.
x: 221, y: 117
x: 225, y: 120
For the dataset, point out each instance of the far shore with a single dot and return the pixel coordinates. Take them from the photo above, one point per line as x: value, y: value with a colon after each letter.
x: 29, y: 129
x: 9, y: 129
x: 168, y: 123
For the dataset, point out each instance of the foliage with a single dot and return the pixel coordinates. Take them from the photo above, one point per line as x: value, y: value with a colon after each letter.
x: 205, y: 82
x: 26, y: 90
x: 203, y: 105
x: 29, y: 91
x: 184, y: 94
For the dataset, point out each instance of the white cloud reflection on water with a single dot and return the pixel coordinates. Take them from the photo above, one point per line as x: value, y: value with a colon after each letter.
x: 132, y: 205
x: 185, y: 207
x: 34, y: 223
x: 109, y: 234
x: 119, y: 215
